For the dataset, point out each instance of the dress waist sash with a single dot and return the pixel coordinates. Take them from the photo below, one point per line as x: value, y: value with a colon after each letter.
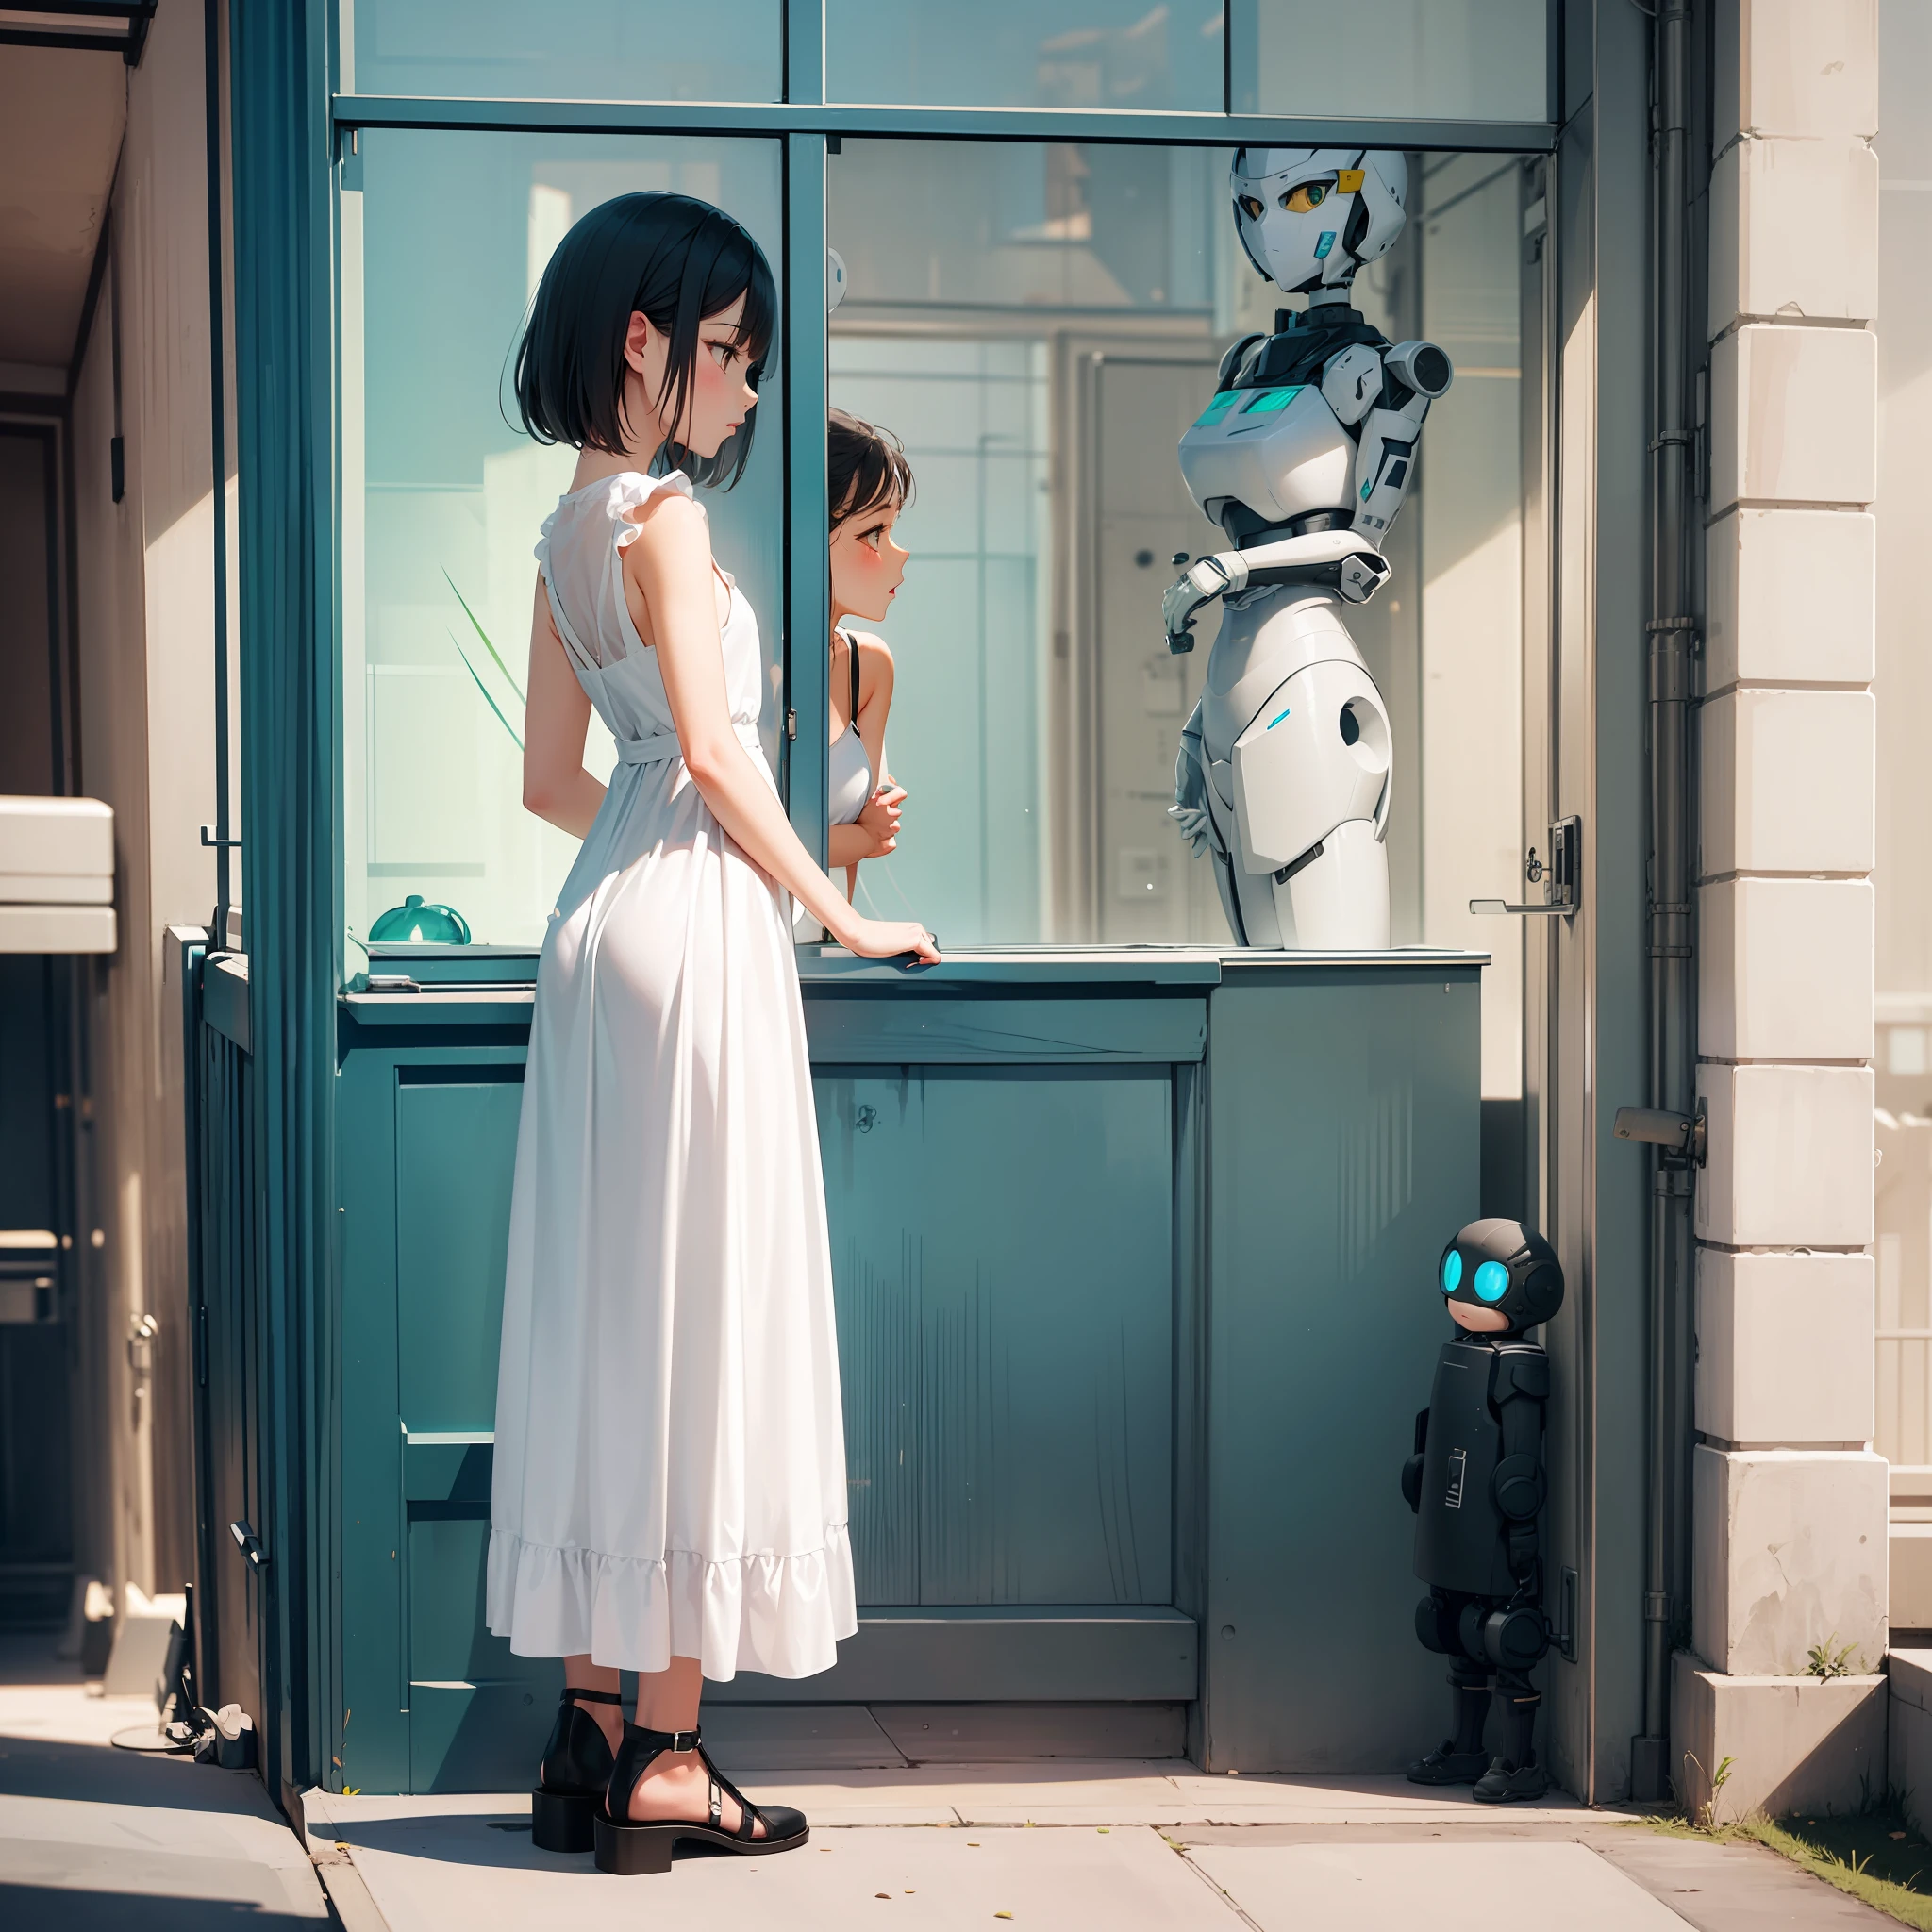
x: 659, y: 745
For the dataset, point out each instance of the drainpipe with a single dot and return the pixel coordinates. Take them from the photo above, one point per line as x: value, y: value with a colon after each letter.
x: 217, y: 835
x: 1674, y: 1123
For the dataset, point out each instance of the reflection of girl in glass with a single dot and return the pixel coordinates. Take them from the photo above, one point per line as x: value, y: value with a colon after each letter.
x: 871, y: 483
x: 670, y: 1477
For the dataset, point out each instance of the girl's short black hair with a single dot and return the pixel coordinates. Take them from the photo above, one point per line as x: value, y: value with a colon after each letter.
x: 865, y: 467
x: 672, y: 259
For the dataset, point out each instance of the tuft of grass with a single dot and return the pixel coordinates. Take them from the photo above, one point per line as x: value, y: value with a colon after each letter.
x: 1828, y: 1662
x: 1875, y: 1853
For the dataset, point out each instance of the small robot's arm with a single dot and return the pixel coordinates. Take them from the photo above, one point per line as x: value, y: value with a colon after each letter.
x: 1412, y: 1469
x: 1519, y: 1388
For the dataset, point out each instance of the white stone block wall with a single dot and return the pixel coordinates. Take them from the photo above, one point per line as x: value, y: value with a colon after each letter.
x: 1788, y: 1504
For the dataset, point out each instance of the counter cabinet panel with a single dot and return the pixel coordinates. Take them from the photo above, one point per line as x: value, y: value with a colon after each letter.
x: 1005, y: 1276
x: 1002, y: 1249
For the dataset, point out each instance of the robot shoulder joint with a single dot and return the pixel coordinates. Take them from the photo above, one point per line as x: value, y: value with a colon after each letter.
x: 1352, y: 382
x: 1422, y: 367
x: 1521, y: 1372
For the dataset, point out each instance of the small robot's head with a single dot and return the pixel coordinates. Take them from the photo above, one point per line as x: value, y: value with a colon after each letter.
x: 1311, y: 216
x: 1500, y: 1277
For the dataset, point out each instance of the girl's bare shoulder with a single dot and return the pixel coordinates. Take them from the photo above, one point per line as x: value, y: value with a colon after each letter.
x: 874, y: 651
x: 670, y: 527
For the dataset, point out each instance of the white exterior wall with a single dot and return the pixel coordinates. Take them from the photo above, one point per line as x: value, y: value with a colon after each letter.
x: 1789, y: 1502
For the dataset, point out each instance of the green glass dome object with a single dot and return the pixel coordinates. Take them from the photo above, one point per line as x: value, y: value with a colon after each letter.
x: 419, y: 924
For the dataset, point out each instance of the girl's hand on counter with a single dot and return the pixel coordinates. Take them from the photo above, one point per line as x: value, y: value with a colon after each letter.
x: 879, y: 821
x: 882, y: 939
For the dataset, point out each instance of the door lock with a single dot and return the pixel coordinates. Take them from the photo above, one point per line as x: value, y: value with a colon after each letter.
x: 1560, y: 874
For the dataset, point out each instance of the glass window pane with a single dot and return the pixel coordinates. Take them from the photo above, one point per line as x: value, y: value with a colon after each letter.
x: 1120, y: 54
x: 569, y: 50
x: 1040, y: 323
x: 443, y: 501
x: 1439, y: 59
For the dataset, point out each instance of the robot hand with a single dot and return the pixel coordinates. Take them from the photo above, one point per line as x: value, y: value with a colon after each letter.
x: 1207, y: 579
x: 1190, y: 809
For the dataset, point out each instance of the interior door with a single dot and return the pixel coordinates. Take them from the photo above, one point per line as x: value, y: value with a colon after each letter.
x: 1145, y: 885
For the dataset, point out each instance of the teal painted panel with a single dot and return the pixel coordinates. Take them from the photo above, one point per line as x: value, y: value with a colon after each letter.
x: 1002, y: 1254
x: 1085, y: 1654
x: 455, y: 1150
x: 868, y: 1144
x: 1046, y: 1312
x: 453, y: 1655
x: 372, y: 1733
x: 1344, y: 1122
x: 926, y: 1032
x: 480, y: 1737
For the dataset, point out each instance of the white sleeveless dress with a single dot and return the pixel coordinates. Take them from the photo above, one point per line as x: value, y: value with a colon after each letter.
x: 670, y: 1467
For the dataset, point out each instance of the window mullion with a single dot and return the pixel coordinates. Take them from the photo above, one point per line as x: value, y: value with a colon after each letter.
x: 805, y: 51
x: 807, y: 564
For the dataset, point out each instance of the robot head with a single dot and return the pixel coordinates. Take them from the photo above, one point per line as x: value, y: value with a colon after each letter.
x: 1311, y: 216
x: 1500, y: 1277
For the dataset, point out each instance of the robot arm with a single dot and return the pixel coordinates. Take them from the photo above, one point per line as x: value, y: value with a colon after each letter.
x: 1413, y: 375
x: 1345, y: 560
x: 1412, y: 1469
x: 1190, y: 808
x: 1519, y: 1388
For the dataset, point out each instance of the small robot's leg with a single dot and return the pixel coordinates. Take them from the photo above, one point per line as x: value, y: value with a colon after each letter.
x: 1460, y: 1759
x: 1515, y: 1778
x: 1339, y: 902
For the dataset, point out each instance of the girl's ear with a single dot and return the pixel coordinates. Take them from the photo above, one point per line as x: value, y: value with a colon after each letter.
x: 636, y: 338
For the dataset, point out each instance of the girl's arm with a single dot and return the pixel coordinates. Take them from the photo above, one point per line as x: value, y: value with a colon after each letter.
x: 672, y: 562
x: 557, y: 715
x: 878, y: 828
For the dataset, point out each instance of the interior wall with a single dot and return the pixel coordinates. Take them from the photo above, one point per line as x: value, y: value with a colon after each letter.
x: 145, y: 624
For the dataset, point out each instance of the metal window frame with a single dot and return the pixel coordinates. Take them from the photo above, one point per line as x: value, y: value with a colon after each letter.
x: 809, y: 126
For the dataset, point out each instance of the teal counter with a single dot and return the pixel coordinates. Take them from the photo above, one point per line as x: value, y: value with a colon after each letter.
x: 1134, y: 1253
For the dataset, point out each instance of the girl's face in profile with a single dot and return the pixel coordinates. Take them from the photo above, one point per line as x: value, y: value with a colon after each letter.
x: 721, y: 394
x: 866, y: 566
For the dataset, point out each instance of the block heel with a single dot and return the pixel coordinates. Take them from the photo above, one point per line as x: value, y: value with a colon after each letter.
x: 570, y: 1784
x: 632, y: 1851
x: 562, y: 1820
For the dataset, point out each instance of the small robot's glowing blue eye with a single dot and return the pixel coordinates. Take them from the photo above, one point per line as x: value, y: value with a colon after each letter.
x: 1492, y: 1281
x: 1452, y: 1271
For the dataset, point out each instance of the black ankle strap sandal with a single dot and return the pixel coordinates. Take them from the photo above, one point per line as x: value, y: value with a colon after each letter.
x: 576, y: 1768
x: 634, y: 1846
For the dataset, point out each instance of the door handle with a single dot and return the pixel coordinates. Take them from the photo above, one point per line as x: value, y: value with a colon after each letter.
x: 1561, y: 893
x: 249, y: 1544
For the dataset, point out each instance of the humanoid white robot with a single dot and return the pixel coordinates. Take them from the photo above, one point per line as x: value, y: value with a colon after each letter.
x: 1302, y: 458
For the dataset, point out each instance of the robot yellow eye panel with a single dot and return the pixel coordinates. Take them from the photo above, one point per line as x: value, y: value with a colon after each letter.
x: 1250, y: 207
x: 1306, y: 198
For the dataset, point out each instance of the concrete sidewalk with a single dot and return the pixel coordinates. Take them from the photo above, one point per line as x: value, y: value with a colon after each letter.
x: 1080, y: 1848
x: 97, y: 1840
x: 94, y: 1840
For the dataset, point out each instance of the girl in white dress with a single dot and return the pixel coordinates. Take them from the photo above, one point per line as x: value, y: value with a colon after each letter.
x: 670, y: 1475
x: 870, y: 483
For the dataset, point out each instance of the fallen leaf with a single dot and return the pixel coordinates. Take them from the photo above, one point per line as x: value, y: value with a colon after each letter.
x: 1894, y: 1834
x: 1103, y: 1829
x: 882, y: 1894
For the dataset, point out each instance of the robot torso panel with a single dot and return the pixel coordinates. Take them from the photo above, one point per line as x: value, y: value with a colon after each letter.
x: 1303, y: 456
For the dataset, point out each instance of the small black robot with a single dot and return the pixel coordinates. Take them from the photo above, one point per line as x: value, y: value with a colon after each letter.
x: 1477, y: 1485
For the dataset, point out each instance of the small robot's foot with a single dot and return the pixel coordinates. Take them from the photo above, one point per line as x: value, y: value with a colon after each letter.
x: 1446, y: 1765
x: 1506, y: 1784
